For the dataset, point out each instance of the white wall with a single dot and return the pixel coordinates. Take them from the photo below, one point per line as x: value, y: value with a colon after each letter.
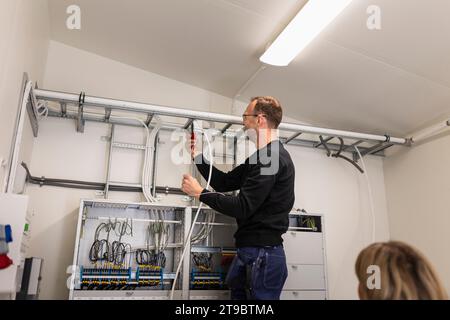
x: 336, y: 189
x: 324, y: 185
x: 24, y: 34
x: 418, y: 188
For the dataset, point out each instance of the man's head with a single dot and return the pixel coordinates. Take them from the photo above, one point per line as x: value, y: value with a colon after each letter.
x: 263, y: 113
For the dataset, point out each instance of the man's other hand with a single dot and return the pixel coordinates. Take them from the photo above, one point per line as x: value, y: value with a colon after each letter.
x: 190, y: 186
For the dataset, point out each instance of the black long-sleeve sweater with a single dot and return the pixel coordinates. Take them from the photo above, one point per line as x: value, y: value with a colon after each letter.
x: 266, y: 195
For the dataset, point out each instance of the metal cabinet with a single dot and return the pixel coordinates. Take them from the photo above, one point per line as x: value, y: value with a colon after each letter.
x: 306, y: 258
x: 131, y: 279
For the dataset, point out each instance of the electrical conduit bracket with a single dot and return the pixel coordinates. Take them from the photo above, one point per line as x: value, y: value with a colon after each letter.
x: 324, y: 143
x: 80, y: 120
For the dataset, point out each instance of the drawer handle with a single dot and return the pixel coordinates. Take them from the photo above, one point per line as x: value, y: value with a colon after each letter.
x: 295, y: 293
x: 294, y: 267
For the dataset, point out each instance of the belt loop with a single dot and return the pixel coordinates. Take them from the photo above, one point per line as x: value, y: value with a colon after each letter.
x: 262, y: 252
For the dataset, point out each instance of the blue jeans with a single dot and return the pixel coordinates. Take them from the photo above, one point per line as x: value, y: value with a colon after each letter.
x: 257, y: 273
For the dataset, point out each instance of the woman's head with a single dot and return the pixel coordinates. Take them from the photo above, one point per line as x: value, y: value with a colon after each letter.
x: 405, y: 274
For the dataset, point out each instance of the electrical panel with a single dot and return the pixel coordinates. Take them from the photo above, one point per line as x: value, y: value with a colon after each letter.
x: 133, y: 251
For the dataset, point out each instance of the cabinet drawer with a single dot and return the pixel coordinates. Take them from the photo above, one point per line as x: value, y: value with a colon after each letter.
x: 303, y: 247
x: 303, y: 295
x: 306, y: 277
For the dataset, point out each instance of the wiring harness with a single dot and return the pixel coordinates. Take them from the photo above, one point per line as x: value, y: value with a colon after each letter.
x: 202, y: 261
x: 115, y: 252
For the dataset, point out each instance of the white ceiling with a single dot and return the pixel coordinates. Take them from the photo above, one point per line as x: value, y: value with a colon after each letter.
x: 389, y: 81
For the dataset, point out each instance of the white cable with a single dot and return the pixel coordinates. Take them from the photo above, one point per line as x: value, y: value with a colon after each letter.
x: 148, y: 160
x: 145, y: 172
x: 151, y: 148
x: 146, y: 190
x: 162, y: 238
x: 188, y: 238
x: 145, y: 168
x: 372, y: 210
x: 205, y: 229
x: 159, y: 230
x: 162, y: 230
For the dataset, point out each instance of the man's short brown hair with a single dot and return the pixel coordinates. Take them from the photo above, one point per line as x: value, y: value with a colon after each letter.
x: 270, y: 107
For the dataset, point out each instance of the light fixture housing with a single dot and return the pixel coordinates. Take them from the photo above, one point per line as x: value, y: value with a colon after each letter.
x: 315, y: 16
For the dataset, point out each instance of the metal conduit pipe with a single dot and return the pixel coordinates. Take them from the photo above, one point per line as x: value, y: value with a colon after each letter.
x: 200, y: 115
x: 87, y: 185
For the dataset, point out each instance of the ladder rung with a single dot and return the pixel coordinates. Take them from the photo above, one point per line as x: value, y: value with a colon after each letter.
x: 63, y: 109
x: 149, y: 119
x: 376, y: 148
x: 128, y: 146
x: 352, y: 145
x: 323, y: 142
x: 292, y: 137
x: 107, y: 114
x: 188, y: 124
x: 226, y: 127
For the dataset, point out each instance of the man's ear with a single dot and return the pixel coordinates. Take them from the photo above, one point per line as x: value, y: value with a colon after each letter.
x: 259, y: 120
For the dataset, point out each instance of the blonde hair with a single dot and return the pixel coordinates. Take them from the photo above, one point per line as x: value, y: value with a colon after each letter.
x: 405, y: 273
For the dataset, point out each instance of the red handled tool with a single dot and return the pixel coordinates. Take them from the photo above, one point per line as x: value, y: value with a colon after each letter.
x: 192, y: 139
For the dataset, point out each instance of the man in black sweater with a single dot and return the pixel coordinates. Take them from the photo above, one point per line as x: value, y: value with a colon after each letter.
x: 266, y: 196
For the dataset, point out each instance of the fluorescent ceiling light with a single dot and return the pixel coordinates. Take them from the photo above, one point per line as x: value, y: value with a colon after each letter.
x: 307, y: 24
